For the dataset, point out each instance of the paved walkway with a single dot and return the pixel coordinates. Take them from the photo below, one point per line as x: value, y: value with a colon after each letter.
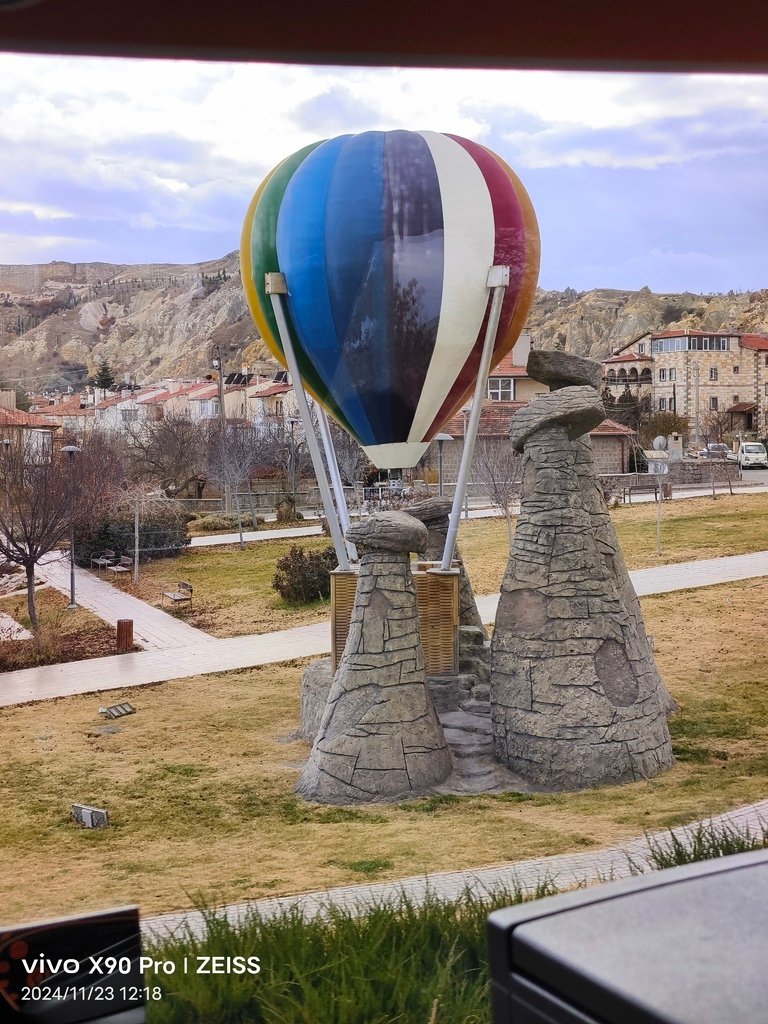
x: 564, y: 872
x: 152, y: 628
x: 207, y: 654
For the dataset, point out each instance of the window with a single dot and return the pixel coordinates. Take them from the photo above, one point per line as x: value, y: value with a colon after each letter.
x: 766, y: 360
x: 735, y: 399
x: 129, y: 415
x: 610, y: 377
x: 766, y: 390
x: 672, y: 373
x: 672, y: 405
x: 713, y: 405
x: 500, y: 389
x: 641, y: 349
x: 713, y: 373
x: 662, y: 405
x: 735, y: 369
x: 662, y: 375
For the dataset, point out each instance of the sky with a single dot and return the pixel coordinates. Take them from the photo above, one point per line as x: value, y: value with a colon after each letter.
x: 637, y: 179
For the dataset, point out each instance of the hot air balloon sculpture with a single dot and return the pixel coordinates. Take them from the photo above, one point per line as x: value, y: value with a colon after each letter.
x: 384, y: 241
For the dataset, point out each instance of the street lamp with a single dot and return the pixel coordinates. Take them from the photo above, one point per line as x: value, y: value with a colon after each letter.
x: 71, y: 451
x: 441, y: 438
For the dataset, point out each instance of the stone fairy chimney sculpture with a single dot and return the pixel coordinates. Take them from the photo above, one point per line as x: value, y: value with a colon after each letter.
x: 576, y: 699
x: 380, y: 737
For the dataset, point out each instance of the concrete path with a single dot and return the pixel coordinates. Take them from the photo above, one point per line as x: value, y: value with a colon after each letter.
x: 152, y: 628
x: 564, y: 872
x: 208, y: 654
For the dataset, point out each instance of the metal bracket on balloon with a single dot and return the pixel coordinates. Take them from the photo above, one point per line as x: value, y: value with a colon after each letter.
x: 498, y: 281
x: 276, y: 288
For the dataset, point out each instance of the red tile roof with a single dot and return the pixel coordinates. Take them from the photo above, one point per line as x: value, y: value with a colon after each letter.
x: 612, y: 428
x: 742, y: 407
x: 506, y: 367
x: 754, y: 341
x: 17, y: 418
x: 273, y: 389
x: 628, y: 358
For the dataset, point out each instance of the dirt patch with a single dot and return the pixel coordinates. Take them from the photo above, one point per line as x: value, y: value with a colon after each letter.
x: 65, y: 635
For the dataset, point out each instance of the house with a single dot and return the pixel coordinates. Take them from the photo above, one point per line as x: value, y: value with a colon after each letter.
x: 698, y: 374
x: 17, y: 428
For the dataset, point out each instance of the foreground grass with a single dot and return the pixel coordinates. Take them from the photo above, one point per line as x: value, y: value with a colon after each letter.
x: 395, y: 961
x: 199, y: 783
x: 392, y: 962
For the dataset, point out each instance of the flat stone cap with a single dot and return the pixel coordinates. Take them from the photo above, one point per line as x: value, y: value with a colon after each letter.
x: 430, y: 510
x: 389, y: 531
x: 577, y: 409
x: 562, y: 370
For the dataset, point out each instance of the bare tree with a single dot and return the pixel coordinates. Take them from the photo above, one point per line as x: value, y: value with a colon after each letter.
x: 497, y: 465
x: 233, y: 455
x: 170, y: 452
x: 42, y: 493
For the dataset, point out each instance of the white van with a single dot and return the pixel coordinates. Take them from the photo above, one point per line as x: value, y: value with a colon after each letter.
x: 752, y: 454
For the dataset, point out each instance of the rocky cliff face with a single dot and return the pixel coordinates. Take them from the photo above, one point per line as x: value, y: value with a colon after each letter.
x: 594, y: 323
x: 59, y: 320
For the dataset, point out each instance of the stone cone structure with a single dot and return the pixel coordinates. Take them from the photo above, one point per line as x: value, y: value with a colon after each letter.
x: 380, y: 737
x: 559, y: 370
x: 575, y: 698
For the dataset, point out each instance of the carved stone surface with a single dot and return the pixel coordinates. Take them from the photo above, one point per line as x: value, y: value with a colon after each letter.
x: 575, y: 696
x: 561, y: 369
x: 435, y: 512
x: 380, y: 737
x: 577, y: 409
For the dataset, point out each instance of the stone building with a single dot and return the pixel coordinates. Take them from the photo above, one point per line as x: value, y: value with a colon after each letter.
x: 697, y: 374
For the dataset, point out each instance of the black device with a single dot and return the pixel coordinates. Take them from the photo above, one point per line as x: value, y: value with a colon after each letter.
x: 687, y: 945
x: 73, y: 969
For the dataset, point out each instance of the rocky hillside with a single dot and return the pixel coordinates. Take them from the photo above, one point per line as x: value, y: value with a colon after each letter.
x: 596, y: 322
x: 59, y: 320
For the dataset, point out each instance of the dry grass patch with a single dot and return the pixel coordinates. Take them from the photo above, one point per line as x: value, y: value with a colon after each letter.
x: 233, y: 593
x: 199, y: 783
x: 691, y: 528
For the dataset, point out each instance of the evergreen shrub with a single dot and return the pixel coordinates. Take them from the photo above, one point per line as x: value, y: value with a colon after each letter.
x: 304, y: 576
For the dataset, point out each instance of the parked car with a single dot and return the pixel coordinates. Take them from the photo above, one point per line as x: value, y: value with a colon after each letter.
x: 715, y: 451
x: 752, y: 455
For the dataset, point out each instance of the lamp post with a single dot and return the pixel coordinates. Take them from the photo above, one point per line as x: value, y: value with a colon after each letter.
x: 218, y: 368
x: 292, y: 421
x: 441, y: 438
x: 71, y: 451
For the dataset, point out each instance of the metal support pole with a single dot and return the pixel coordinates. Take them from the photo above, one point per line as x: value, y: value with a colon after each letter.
x: 335, y: 475
x: 276, y: 288
x: 498, y: 280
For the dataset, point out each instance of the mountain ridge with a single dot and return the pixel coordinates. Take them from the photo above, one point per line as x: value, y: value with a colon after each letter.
x: 59, y: 320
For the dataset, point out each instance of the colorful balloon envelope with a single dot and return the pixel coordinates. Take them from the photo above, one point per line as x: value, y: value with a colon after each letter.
x: 385, y: 240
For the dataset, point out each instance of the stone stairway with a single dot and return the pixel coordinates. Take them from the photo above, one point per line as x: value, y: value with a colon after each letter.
x: 469, y: 733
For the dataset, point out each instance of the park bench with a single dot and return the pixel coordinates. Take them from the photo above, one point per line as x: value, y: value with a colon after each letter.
x: 183, y: 592
x: 643, y: 489
x: 104, y: 559
x: 125, y: 564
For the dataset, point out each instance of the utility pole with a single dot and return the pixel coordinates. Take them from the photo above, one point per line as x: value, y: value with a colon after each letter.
x: 218, y: 368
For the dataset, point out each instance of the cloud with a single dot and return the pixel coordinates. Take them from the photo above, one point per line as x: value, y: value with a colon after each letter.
x: 337, y: 112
